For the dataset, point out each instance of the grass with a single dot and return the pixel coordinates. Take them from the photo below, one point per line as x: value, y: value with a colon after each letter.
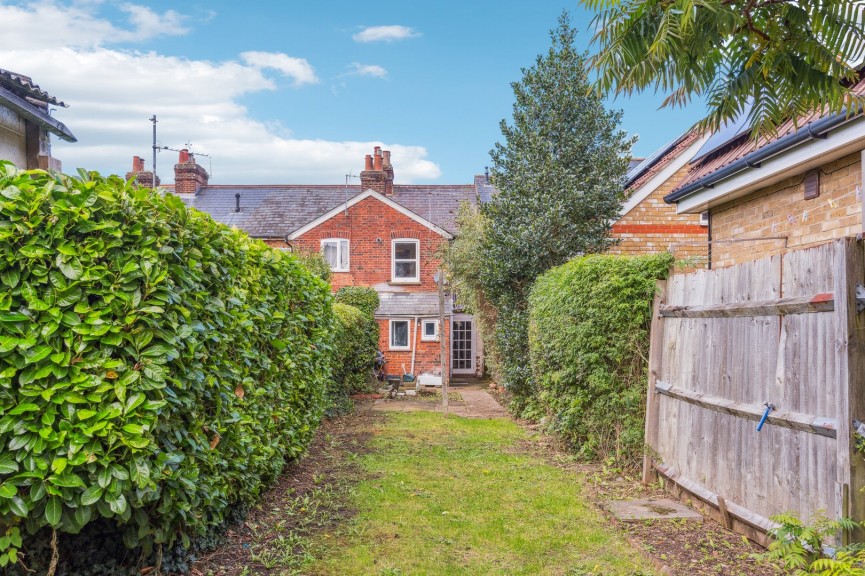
x: 467, y: 497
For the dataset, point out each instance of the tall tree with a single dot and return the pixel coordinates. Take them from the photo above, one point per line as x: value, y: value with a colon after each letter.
x: 560, y: 173
x: 771, y: 59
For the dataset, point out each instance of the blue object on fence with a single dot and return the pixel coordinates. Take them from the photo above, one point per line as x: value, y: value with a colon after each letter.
x: 769, y: 408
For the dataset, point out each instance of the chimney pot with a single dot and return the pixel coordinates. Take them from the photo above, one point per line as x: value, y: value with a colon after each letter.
x: 183, y: 157
x: 487, y: 173
x: 367, y: 164
x: 386, y: 157
x: 377, y: 160
x: 237, y: 202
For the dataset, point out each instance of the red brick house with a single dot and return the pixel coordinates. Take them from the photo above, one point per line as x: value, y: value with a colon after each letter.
x: 378, y: 234
x: 646, y: 224
x: 796, y: 189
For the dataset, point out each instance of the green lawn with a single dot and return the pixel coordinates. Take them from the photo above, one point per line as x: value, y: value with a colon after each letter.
x: 463, y: 497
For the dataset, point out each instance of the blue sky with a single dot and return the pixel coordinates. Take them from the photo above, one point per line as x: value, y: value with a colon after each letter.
x: 295, y: 92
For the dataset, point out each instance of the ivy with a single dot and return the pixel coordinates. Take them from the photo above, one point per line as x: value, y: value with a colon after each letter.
x: 155, y: 367
x: 589, y: 339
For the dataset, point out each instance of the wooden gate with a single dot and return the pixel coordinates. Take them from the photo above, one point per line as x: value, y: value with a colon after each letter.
x: 783, y: 331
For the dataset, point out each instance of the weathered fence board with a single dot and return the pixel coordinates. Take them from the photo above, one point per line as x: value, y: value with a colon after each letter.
x: 782, y: 330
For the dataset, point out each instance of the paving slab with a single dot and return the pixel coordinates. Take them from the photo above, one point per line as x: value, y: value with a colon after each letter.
x: 637, y: 510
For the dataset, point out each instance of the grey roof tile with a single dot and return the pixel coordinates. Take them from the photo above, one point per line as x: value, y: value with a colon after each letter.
x: 276, y: 211
x: 411, y: 304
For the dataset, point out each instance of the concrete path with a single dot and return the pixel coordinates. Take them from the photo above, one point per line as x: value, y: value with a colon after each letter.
x: 476, y: 402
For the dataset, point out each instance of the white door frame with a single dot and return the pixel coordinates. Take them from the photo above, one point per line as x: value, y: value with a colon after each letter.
x: 473, y: 343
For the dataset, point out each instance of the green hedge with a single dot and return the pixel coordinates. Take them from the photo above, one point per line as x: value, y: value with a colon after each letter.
x: 366, y: 299
x: 155, y: 367
x: 355, y: 342
x: 589, y: 339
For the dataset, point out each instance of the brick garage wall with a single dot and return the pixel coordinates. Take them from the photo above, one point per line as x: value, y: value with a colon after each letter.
x: 653, y: 226
x: 369, y: 227
x: 779, y: 211
x: 427, y: 356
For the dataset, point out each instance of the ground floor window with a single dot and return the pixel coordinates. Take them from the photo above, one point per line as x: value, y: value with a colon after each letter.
x: 399, y: 330
x: 430, y: 330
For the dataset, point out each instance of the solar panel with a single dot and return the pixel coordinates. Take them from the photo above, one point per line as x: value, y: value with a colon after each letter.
x: 728, y: 132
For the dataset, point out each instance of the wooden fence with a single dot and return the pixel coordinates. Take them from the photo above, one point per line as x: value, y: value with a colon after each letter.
x: 785, y: 331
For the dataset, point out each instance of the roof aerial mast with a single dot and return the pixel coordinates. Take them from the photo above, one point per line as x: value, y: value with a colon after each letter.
x: 153, y: 119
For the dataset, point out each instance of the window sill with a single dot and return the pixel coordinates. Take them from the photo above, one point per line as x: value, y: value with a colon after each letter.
x: 399, y: 349
x: 429, y: 339
x: 340, y: 271
x: 404, y: 282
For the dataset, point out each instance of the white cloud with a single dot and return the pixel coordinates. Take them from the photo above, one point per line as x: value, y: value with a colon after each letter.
x: 297, y: 68
x: 385, y: 34
x: 373, y: 70
x: 49, y: 24
x: 113, y: 92
x: 149, y: 24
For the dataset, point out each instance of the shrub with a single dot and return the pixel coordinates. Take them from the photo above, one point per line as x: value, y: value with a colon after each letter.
x: 315, y: 263
x: 589, y: 338
x: 155, y: 367
x: 366, y: 299
x: 355, y: 342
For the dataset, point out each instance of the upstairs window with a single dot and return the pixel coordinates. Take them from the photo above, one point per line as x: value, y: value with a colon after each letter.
x: 335, y: 251
x: 406, y: 261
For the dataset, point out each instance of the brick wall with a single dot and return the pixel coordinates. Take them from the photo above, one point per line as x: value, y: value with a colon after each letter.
x: 427, y: 355
x: 370, y: 227
x: 653, y: 226
x: 781, y: 211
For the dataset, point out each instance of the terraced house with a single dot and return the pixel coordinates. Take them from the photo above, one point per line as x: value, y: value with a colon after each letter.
x: 378, y: 234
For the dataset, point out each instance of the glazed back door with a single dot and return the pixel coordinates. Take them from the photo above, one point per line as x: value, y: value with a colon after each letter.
x: 463, y: 344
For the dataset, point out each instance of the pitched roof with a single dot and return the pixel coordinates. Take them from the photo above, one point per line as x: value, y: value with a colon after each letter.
x: 741, y: 146
x: 660, y: 159
x: 277, y: 211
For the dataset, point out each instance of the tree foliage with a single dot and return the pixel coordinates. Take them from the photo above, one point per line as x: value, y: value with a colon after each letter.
x: 362, y: 297
x: 772, y: 59
x: 355, y: 342
x: 560, y: 172
x: 156, y: 367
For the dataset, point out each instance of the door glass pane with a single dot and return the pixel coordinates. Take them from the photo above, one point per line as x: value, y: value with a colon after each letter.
x: 461, y: 352
x: 399, y: 333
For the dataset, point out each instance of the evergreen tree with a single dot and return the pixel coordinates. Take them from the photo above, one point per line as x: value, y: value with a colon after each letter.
x: 560, y: 173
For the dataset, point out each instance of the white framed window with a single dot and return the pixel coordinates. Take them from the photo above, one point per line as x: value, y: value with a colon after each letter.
x: 335, y: 251
x: 399, y: 331
x: 406, y: 260
x: 429, y: 330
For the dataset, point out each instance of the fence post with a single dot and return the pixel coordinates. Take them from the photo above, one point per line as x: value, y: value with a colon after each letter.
x: 656, y: 354
x: 850, y: 348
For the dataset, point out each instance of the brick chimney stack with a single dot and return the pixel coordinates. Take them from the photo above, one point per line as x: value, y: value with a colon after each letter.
x: 143, y: 178
x: 378, y: 172
x: 189, y: 177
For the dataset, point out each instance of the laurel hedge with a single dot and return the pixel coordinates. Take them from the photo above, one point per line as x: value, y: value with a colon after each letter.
x: 156, y: 367
x: 589, y: 340
x: 355, y: 342
x: 362, y: 297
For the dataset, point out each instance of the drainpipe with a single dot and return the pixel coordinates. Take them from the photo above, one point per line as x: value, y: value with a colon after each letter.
x: 413, y: 346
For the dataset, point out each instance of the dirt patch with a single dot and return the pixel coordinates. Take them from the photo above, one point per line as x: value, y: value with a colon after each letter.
x: 684, y: 547
x: 309, y: 498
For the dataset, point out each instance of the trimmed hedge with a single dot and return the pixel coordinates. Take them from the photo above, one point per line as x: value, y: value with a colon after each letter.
x: 355, y: 342
x: 589, y: 340
x: 366, y: 299
x: 155, y: 367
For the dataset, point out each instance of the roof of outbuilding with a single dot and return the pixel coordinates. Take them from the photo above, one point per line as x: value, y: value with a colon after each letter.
x: 411, y: 304
x: 23, y: 86
x: 277, y: 211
